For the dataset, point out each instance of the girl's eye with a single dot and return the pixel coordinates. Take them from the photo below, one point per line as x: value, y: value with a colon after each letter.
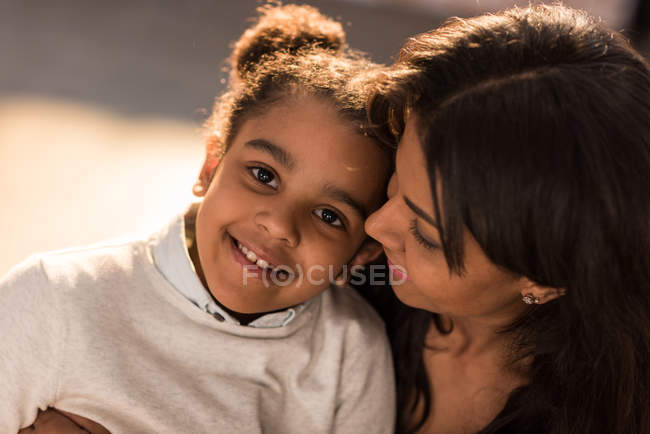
x: 264, y: 176
x: 329, y: 217
x: 419, y: 238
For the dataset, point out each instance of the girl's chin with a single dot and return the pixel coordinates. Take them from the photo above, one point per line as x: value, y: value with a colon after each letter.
x: 238, y: 304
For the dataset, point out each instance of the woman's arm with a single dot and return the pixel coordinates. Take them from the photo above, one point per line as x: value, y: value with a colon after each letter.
x: 53, y: 421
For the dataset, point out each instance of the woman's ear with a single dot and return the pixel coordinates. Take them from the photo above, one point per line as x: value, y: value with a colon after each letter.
x: 368, y: 252
x: 533, y: 293
x: 201, y: 185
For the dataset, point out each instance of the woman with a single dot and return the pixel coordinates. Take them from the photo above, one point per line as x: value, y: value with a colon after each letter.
x: 520, y: 212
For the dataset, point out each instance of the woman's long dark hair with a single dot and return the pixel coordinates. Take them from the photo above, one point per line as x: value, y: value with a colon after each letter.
x: 536, y: 122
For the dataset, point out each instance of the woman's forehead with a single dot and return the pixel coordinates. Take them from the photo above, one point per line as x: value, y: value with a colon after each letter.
x: 411, y: 164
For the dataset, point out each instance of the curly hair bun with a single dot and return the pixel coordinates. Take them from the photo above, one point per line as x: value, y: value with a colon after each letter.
x: 285, y: 28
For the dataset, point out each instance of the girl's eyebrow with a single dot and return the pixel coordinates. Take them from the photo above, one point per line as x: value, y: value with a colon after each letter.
x: 286, y: 160
x: 341, y: 195
x: 281, y: 156
x: 420, y: 212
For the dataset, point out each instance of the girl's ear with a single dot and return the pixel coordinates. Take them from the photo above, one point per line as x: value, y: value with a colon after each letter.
x: 368, y: 252
x: 533, y: 293
x: 201, y: 185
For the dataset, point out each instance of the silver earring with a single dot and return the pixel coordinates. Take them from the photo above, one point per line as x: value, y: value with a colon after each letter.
x: 530, y: 299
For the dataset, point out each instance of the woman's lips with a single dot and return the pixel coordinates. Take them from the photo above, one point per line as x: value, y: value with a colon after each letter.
x: 398, y: 271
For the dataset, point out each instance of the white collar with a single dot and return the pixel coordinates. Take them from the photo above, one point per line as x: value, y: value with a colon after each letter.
x: 172, y: 260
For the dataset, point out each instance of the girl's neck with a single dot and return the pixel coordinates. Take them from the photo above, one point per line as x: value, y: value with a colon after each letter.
x: 190, y: 240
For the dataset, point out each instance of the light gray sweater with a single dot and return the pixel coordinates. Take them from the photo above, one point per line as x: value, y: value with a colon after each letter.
x: 100, y: 332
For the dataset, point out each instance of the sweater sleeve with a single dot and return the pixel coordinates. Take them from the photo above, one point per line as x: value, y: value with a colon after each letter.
x: 367, y: 390
x: 29, y: 346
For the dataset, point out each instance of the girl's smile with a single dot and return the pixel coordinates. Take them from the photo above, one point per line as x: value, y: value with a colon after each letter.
x: 259, y: 264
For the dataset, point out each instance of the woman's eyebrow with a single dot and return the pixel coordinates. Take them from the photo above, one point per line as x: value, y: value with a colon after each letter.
x: 341, y: 195
x: 281, y: 156
x: 420, y: 212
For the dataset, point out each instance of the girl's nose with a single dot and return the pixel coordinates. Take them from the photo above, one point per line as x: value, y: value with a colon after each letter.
x: 279, y: 225
x: 385, y: 225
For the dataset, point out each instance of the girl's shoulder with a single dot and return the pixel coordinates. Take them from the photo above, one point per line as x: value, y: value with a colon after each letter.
x: 75, y: 268
x: 344, y: 305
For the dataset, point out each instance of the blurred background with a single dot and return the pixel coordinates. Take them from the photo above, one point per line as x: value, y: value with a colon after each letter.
x: 101, y: 102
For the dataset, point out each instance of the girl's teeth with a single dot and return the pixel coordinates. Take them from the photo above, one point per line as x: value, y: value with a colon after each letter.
x: 251, y: 256
x: 241, y: 247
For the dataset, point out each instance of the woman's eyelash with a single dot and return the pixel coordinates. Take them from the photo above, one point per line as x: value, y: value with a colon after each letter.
x: 419, y: 238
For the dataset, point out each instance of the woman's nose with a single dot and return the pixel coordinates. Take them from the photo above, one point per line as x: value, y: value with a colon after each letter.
x: 384, y: 225
x: 392, y: 186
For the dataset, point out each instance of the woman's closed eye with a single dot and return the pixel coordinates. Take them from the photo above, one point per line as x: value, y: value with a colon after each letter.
x: 264, y: 176
x: 429, y: 245
x: 328, y: 216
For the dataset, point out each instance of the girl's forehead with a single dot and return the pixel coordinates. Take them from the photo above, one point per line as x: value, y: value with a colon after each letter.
x: 308, y: 127
x: 309, y: 141
x: 295, y: 103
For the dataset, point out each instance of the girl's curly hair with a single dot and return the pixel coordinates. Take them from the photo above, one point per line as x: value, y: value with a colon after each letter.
x: 290, y: 51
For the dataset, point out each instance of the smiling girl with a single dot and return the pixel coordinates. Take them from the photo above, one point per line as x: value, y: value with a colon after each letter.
x: 207, y: 325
